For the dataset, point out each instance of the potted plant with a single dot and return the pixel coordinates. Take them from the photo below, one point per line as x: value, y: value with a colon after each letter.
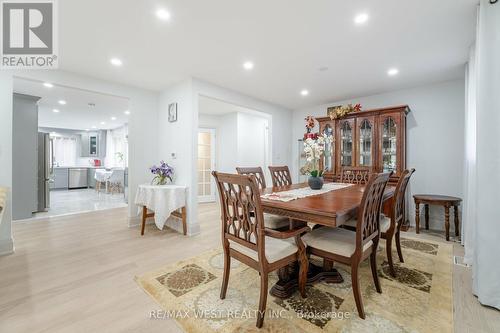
x: 163, y: 173
x: 314, y: 147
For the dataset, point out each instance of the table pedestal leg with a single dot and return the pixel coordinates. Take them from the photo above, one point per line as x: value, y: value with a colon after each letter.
x: 288, y: 279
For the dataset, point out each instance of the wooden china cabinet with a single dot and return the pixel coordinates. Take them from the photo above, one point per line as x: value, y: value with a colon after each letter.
x: 372, y: 138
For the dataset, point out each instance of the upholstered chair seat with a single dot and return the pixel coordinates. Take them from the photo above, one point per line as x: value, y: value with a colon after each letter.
x: 276, y: 249
x: 334, y: 240
x: 275, y: 221
x: 385, y: 223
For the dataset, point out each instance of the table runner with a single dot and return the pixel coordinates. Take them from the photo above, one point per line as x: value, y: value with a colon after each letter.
x: 303, y: 192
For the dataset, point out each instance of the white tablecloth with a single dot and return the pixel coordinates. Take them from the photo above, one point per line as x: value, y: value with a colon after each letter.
x: 162, y: 199
x: 303, y: 192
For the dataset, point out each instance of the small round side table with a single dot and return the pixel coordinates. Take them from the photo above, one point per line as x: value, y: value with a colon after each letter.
x: 440, y: 200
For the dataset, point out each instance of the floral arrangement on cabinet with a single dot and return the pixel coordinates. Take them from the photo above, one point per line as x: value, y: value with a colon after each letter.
x: 336, y: 112
x: 163, y: 173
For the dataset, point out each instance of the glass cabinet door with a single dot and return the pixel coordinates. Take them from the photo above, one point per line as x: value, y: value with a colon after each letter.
x: 389, y: 145
x: 346, y: 147
x: 328, y: 154
x: 93, y: 145
x: 365, y: 143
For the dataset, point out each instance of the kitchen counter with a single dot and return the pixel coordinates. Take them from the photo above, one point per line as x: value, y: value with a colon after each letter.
x: 62, y: 179
x: 89, y: 167
x: 79, y: 167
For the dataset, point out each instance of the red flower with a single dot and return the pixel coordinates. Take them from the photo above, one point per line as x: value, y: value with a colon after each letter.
x: 357, y: 107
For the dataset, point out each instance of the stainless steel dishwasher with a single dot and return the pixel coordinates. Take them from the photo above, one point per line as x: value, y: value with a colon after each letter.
x: 78, y: 178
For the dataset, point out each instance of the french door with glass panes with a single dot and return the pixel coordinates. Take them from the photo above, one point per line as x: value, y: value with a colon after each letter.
x: 206, y: 163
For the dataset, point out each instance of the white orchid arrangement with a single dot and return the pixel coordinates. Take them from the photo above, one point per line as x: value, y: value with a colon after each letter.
x: 314, y: 148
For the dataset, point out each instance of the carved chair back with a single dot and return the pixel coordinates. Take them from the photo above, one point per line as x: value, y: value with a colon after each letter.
x: 355, y: 175
x: 241, y: 210
x: 257, y: 172
x: 280, y: 176
x: 398, y: 210
x: 368, y: 226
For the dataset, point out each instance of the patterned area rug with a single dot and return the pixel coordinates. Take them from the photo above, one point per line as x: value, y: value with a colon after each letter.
x: 419, y: 299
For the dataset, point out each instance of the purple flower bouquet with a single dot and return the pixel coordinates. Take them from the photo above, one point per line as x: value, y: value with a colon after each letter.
x: 162, y: 173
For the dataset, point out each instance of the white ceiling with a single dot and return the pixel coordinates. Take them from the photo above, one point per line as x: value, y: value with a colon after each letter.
x: 288, y: 40
x: 76, y: 114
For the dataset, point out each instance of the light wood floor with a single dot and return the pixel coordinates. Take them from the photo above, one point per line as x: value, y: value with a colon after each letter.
x: 76, y: 274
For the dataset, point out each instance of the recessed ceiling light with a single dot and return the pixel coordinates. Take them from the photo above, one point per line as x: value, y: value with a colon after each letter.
x: 163, y: 14
x: 94, y: 126
x: 393, y: 72
x: 103, y: 122
x: 48, y: 84
x: 113, y: 118
x: 55, y: 110
x: 127, y: 112
x: 62, y: 102
x: 116, y: 62
x: 87, y: 129
x: 361, y: 18
x: 304, y: 92
x: 248, y: 65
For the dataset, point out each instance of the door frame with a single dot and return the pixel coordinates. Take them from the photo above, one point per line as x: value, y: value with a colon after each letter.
x: 213, y: 166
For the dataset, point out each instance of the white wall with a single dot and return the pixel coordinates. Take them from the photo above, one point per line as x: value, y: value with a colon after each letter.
x: 486, y: 271
x: 6, y: 89
x: 252, y: 141
x: 143, y: 143
x: 434, y: 137
x: 179, y: 138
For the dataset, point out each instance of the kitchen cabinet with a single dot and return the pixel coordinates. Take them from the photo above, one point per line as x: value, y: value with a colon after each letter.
x: 93, y: 144
x: 60, y: 179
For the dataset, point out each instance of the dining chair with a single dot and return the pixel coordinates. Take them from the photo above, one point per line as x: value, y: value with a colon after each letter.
x: 390, y: 226
x: 245, y: 238
x: 353, y: 247
x: 115, y: 181
x: 257, y: 172
x: 280, y: 176
x: 355, y: 175
x: 270, y: 221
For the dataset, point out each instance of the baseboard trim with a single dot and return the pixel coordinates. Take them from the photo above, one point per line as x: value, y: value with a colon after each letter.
x: 6, y: 247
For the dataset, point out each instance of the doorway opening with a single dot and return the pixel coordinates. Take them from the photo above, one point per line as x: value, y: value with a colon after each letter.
x: 241, y: 138
x: 206, y: 164
x: 75, y: 150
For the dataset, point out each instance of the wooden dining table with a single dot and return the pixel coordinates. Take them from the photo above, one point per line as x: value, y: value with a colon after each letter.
x: 330, y: 209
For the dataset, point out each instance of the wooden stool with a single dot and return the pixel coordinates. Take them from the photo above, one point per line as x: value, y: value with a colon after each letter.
x: 440, y: 200
x: 180, y: 215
